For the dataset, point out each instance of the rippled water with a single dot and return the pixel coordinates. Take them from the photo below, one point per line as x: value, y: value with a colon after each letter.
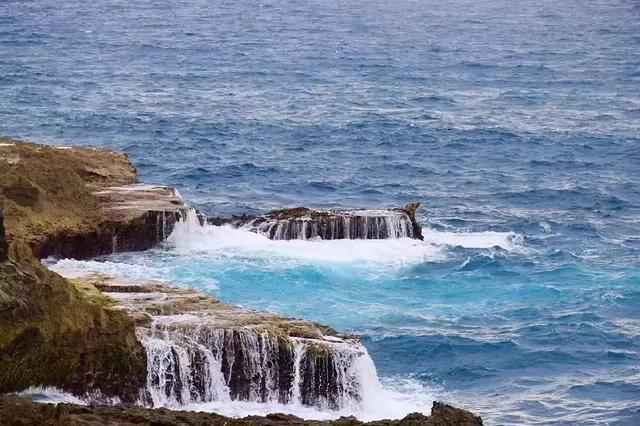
x: 515, y: 123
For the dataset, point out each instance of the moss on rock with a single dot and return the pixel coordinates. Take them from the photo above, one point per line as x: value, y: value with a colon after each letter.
x: 57, y: 334
x: 53, y: 332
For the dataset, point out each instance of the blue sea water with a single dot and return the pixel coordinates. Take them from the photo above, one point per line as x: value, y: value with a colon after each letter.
x: 516, y: 123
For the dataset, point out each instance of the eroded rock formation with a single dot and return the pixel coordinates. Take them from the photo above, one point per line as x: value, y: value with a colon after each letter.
x: 81, y: 202
x: 304, y: 224
x: 57, y: 334
x: 200, y: 350
x: 69, y: 202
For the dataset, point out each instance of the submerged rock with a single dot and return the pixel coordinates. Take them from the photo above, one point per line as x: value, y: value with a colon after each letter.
x: 81, y: 202
x: 200, y: 350
x: 20, y: 411
x: 304, y: 224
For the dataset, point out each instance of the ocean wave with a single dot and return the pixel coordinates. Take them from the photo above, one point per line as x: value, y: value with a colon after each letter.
x: 189, y: 239
x: 509, y: 241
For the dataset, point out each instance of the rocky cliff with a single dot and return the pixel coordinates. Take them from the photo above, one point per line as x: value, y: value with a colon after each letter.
x: 80, y: 202
x: 53, y: 333
x: 71, y: 202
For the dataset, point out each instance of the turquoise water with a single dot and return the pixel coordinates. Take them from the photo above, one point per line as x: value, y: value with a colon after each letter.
x: 484, y: 319
x: 516, y: 124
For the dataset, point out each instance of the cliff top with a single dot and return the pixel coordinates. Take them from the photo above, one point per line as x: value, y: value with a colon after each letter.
x: 49, y: 191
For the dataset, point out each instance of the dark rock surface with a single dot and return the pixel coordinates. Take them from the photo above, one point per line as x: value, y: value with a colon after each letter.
x: 304, y: 223
x: 3, y: 239
x: 16, y: 410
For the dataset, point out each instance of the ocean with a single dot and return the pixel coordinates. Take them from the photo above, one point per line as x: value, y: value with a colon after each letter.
x: 515, y: 123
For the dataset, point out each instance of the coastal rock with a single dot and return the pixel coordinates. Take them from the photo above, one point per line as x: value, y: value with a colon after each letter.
x: 17, y: 410
x: 54, y: 333
x: 102, y: 338
x: 303, y: 223
x: 71, y: 202
x: 3, y: 239
x: 81, y: 202
x: 200, y: 349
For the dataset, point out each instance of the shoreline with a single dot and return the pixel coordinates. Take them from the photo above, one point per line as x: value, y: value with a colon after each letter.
x: 90, y: 203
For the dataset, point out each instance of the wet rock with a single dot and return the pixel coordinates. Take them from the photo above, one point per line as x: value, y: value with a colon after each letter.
x: 200, y: 349
x: 16, y: 410
x: 303, y: 223
x: 3, y: 239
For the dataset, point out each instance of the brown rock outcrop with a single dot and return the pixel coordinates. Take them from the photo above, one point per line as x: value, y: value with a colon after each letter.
x: 16, y: 410
x: 200, y: 349
x: 303, y: 223
x: 80, y: 202
x: 53, y: 333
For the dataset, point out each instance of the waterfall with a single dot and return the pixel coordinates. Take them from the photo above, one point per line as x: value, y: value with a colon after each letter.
x: 374, y: 225
x: 204, y: 351
x: 195, y: 364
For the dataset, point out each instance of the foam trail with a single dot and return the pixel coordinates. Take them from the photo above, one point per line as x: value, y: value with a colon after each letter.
x: 509, y: 241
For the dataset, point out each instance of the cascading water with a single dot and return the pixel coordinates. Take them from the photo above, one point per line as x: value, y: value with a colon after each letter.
x: 215, y: 357
x: 193, y: 358
x: 189, y: 364
x: 354, y: 225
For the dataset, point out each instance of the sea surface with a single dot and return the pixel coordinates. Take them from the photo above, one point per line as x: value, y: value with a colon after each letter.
x: 515, y: 123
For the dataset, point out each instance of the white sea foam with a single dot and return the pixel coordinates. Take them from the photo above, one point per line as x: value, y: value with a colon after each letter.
x: 382, y: 403
x: 71, y: 268
x: 51, y: 395
x: 509, y: 241
x: 393, y: 401
x: 190, y: 238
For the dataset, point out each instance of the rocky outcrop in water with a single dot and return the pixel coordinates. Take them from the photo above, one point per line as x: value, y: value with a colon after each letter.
x: 81, y: 202
x: 200, y: 350
x: 16, y: 410
x: 301, y: 223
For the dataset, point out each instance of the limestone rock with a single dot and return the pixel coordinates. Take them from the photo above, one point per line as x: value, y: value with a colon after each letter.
x: 81, y: 202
